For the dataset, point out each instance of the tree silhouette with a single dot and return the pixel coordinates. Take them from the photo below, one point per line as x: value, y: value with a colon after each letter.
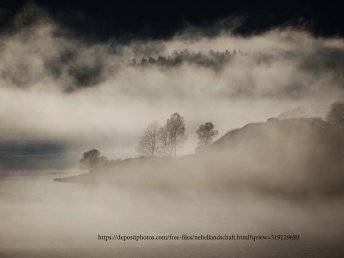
x: 165, y: 144
x: 172, y: 134
x: 149, y: 140
x: 336, y: 114
x: 205, y: 133
x: 92, y: 159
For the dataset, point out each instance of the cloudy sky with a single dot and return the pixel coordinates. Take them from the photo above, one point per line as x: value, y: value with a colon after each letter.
x: 66, y: 73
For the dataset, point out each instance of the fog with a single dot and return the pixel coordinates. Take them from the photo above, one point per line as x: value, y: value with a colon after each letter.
x: 43, y: 218
x: 61, y: 95
x: 58, y: 88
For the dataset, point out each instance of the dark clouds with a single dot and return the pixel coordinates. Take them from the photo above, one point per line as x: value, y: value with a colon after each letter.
x: 36, y: 48
x: 127, y: 20
x: 81, y: 74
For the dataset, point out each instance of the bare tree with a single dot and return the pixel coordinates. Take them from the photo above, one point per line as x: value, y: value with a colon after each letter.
x: 149, y: 140
x: 205, y: 133
x: 165, y: 144
x: 172, y: 134
x: 336, y: 114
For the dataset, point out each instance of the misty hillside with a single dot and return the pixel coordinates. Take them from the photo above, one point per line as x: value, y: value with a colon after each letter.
x: 291, y: 157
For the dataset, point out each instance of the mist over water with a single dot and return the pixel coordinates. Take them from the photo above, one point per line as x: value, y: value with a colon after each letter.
x: 40, y: 214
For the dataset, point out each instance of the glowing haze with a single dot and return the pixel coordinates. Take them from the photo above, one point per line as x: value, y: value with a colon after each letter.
x: 59, y: 88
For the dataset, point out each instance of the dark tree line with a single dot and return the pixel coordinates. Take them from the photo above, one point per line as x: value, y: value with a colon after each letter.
x: 210, y: 59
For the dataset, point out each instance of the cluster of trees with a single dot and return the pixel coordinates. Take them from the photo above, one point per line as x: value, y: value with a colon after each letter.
x: 157, y: 141
x: 164, y: 140
x: 212, y: 58
x: 336, y: 114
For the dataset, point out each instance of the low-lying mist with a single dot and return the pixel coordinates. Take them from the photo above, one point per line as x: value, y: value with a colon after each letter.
x: 41, y: 217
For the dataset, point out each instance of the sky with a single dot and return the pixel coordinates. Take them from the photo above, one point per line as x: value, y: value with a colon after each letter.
x: 67, y: 79
x: 106, y: 20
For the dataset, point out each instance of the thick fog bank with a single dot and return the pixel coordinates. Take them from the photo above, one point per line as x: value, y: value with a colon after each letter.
x: 57, y: 88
